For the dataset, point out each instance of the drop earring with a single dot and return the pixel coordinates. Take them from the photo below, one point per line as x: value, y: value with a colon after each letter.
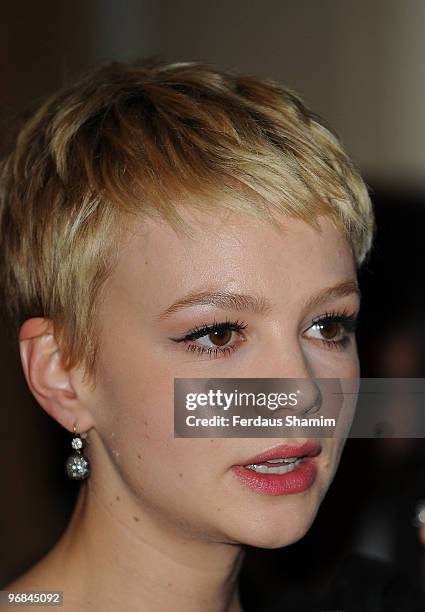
x: 77, y: 465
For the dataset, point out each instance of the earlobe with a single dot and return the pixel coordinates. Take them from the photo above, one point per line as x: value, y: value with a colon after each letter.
x: 48, y: 380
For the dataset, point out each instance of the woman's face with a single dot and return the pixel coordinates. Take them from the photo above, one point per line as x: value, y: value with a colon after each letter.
x: 188, y: 483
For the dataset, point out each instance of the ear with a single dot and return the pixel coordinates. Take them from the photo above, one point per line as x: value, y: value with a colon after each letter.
x: 57, y: 390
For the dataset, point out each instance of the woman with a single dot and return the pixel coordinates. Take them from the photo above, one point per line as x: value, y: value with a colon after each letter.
x: 113, y: 298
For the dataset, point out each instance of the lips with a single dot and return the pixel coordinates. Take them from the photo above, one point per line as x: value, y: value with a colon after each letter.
x: 309, y: 448
x: 297, y: 476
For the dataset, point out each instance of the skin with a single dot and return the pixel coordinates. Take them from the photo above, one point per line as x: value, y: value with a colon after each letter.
x: 421, y: 533
x: 162, y: 521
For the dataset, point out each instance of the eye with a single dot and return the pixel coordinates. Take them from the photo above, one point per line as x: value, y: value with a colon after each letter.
x: 334, y: 329
x: 215, y: 339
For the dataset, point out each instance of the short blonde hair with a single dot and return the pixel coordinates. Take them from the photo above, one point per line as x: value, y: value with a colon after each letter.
x: 148, y: 138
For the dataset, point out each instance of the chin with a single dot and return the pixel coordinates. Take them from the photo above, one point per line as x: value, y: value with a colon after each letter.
x: 286, y: 535
x: 279, y: 525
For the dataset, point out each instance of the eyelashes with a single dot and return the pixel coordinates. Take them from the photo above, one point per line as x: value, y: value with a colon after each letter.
x: 342, y: 324
x: 348, y: 322
x: 207, y: 330
x: 204, y: 329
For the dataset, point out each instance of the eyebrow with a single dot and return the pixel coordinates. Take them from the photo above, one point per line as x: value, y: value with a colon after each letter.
x: 253, y: 303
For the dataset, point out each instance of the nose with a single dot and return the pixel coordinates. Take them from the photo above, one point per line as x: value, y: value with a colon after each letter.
x: 309, y: 396
x: 296, y: 375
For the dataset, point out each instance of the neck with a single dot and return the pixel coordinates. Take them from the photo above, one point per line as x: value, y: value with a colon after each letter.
x: 115, y: 554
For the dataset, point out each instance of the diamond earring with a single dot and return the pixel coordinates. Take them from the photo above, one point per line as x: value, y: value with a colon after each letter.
x: 77, y: 465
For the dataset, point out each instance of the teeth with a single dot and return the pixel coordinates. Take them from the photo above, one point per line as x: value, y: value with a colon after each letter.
x: 286, y: 460
x: 265, y: 469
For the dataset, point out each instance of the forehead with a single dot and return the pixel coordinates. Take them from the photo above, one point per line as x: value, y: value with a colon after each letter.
x: 232, y: 248
x: 228, y: 236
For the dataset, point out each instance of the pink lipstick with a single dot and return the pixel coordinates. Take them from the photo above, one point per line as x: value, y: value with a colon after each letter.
x: 283, y: 470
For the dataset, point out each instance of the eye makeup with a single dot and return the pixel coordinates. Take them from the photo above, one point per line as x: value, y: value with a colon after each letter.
x: 334, y: 324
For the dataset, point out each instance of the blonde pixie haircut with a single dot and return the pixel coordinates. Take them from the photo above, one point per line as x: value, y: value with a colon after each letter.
x: 148, y: 139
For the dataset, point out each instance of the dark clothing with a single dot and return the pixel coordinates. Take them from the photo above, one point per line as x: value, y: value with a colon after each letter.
x: 361, y: 584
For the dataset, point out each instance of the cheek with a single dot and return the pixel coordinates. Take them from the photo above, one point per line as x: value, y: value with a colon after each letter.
x: 133, y: 407
x: 331, y: 462
x: 333, y: 363
x: 136, y: 421
x: 138, y: 389
x: 353, y: 364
